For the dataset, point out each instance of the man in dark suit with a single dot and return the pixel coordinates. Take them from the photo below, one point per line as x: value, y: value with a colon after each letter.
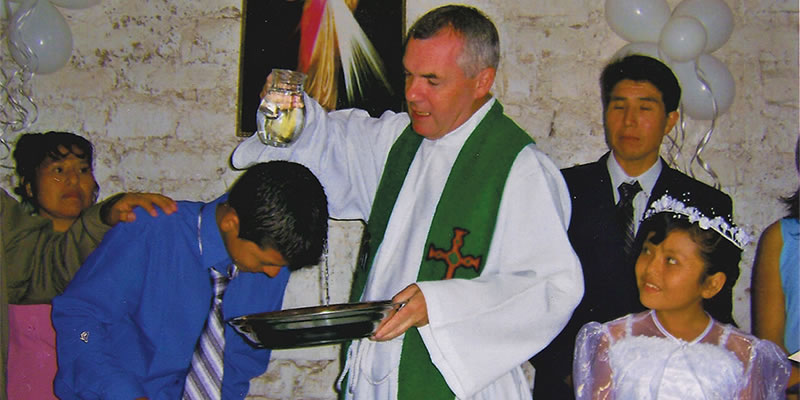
x: 640, y: 99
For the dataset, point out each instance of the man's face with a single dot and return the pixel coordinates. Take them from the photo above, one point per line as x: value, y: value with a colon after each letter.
x: 635, y: 124
x: 439, y: 95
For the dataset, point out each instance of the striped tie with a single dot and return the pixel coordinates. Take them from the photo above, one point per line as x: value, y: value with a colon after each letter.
x: 627, y: 191
x: 204, y: 380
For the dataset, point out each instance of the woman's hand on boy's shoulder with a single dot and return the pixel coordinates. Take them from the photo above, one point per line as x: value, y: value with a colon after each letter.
x: 121, y: 208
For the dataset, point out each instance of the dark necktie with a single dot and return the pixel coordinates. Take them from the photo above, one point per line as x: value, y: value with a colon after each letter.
x: 627, y: 191
x: 204, y: 380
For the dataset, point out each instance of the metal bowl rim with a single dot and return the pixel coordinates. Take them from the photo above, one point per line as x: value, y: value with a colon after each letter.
x: 316, y: 312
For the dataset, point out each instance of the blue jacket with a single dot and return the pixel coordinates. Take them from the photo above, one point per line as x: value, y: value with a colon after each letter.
x: 128, y: 323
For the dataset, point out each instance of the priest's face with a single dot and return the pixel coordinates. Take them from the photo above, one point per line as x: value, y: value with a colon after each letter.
x: 439, y: 94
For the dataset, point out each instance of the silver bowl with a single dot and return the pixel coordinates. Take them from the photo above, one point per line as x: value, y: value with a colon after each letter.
x: 313, y: 326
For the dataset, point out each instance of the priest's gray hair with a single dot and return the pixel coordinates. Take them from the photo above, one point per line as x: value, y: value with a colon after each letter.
x: 482, y: 43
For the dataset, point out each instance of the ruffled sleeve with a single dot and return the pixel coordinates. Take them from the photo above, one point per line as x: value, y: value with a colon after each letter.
x: 591, y: 371
x: 767, y: 374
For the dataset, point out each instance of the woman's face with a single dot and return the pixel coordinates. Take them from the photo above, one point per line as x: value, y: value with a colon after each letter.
x: 671, y: 275
x: 64, y: 188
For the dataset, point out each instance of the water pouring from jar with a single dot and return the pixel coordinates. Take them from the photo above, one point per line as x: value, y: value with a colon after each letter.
x: 281, y: 114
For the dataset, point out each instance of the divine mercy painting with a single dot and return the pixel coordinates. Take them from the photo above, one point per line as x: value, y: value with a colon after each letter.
x: 350, y: 50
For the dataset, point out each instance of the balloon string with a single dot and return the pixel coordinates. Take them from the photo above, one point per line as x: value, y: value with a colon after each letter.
x: 707, y: 137
x: 324, y: 277
x: 675, y: 148
x: 18, y: 110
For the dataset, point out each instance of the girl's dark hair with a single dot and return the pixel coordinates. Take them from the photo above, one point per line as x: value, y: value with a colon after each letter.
x: 792, y: 202
x: 719, y: 254
x: 32, y: 149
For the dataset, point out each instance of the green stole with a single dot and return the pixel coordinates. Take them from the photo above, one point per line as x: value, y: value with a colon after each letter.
x: 460, y: 233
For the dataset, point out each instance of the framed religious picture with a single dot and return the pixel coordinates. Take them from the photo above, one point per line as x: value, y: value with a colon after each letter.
x: 350, y: 50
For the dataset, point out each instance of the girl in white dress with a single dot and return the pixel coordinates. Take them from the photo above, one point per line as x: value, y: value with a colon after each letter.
x: 678, y: 349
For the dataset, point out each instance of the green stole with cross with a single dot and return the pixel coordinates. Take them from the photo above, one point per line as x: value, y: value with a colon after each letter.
x: 460, y: 233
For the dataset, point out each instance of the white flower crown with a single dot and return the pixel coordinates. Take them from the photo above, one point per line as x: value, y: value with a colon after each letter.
x: 734, y: 234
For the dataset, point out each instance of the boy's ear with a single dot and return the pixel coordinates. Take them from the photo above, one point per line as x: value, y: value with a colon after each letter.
x: 713, y: 285
x: 230, y: 221
x: 29, y: 189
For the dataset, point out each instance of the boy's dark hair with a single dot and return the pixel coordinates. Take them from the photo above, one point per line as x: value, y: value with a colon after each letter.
x: 32, y: 149
x: 719, y: 254
x: 481, y: 41
x: 640, y: 68
x: 281, y: 205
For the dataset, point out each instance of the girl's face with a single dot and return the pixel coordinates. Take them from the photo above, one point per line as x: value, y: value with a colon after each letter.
x: 64, y: 188
x: 671, y: 275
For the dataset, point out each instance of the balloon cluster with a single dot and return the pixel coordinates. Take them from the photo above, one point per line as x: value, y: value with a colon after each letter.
x: 39, y: 41
x: 682, y: 39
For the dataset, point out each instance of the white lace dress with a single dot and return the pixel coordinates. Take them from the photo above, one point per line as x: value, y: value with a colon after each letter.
x: 634, y: 357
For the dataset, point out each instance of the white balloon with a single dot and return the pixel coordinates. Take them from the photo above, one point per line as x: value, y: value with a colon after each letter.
x: 716, y: 17
x: 695, y: 96
x: 75, y: 4
x: 683, y: 38
x: 637, y: 20
x: 39, y: 27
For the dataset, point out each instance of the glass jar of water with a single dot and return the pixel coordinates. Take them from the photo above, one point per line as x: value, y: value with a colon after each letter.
x: 281, y: 114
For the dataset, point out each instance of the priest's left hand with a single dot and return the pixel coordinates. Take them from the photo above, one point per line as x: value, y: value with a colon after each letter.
x: 414, y: 313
